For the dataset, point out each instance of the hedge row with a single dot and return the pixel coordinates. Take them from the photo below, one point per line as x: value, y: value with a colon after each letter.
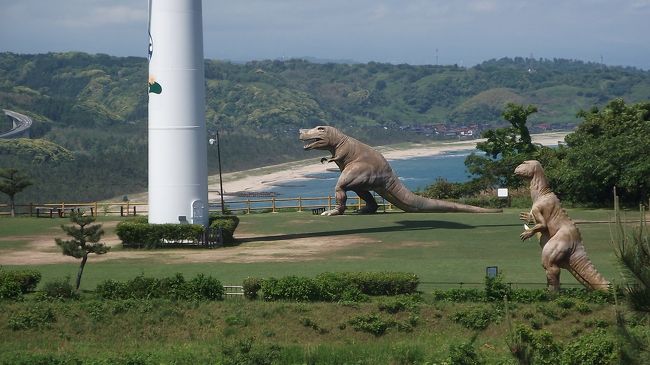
x: 14, y: 283
x: 200, y: 287
x: 345, y: 286
x: 139, y: 233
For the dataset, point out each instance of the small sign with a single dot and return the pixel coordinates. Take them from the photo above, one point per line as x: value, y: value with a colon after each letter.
x: 492, y: 271
x: 502, y: 192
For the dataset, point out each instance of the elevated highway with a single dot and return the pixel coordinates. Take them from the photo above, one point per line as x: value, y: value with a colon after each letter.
x: 21, y: 125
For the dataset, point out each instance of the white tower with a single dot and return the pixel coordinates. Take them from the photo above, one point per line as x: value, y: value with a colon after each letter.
x: 178, y: 177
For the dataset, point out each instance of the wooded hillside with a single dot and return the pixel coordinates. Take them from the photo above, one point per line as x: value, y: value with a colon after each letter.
x: 93, y: 109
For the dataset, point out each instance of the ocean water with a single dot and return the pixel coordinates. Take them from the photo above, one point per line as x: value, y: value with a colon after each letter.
x: 416, y: 173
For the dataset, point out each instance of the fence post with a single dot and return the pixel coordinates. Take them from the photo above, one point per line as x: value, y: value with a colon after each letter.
x: 96, y: 211
x: 248, y: 206
x: 329, y: 202
x: 359, y: 202
x: 121, y: 210
x: 273, y: 204
x: 134, y: 211
x: 299, y: 204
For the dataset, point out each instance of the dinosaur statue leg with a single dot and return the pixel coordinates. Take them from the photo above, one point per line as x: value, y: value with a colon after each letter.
x: 341, y: 198
x: 555, y: 252
x: 553, y: 278
x: 350, y: 179
x: 371, y: 204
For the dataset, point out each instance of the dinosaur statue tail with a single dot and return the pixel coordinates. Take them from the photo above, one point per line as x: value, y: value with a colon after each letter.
x: 400, y: 196
x: 585, y: 272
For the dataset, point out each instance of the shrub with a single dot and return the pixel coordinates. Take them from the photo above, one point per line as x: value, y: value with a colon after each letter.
x: 228, y: 225
x: 206, y: 287
x: 294, y: 288
x: 460, y: 295
x: 10, y: 289
x: 26, y: 281
x: 33, y: 317
x: 246, y: 352
x: 200, y: 287
x: 529, y: 295
x: 399, y: 304
x: 595, y: 348
x: 464, y: 354
x: 477, y: 318
x: 496, y: 289
x: 59, y: 289
x: 533, y: 348
x: 370, y: 323
x: 251, y: 286
x: 138, y: 234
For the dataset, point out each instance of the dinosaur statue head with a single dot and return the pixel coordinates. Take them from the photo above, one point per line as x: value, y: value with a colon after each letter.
x: 528, y: 169
x: 320, y: 138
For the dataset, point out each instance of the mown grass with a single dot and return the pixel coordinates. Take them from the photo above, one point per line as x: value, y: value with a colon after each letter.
x: 438, y: 248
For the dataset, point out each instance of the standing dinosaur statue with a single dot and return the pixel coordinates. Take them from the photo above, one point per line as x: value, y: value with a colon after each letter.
x: 559, y: 237
x: 363, y: 169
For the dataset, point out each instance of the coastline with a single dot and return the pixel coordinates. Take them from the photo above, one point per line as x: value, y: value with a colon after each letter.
x: 263, y: 178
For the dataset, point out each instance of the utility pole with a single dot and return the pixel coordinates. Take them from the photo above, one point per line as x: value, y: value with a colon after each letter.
x: 213, y: 141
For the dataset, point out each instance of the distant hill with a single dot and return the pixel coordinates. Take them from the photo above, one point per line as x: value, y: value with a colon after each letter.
x: 95, y: 107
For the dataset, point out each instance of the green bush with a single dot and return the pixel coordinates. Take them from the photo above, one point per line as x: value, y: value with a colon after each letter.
x: 10, y: 289
x: 476, y: 318
x: 496, y: 289
x: 292, y: 288
x: 59, y: 289
x: 595, y: 348
x: 370, y: 323
x: 251, y: 287
x: 342, y: 287
x: 37, y: 316
x: 228, y: 225
x: 26, y: 280
x: 464, y: 354
x: 459, y: 295
x: 176, y: 287
x: 138, y: 234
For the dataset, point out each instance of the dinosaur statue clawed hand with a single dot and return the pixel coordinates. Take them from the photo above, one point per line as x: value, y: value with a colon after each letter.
x: 559, y: 237
x: 363, y: 170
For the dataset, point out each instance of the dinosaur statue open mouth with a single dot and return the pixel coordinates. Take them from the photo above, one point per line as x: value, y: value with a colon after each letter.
x: 310, y: 142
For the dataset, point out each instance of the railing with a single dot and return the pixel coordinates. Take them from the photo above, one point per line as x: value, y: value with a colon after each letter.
x: 63, y: 209
x: 243, y: 206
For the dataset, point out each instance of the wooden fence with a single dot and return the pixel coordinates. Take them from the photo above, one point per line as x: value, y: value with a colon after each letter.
x: 315, y: 205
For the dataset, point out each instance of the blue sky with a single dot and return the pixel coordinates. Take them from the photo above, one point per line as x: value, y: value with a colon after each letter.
x: 464, y: 32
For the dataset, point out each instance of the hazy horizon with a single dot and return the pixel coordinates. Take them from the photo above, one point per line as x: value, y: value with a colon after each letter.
x: 463, y: 32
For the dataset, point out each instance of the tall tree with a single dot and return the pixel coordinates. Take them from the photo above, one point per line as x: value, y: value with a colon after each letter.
x: 85, y: 240
x: 505, y: 148
x: 12, y: 182
x: 609, y: 149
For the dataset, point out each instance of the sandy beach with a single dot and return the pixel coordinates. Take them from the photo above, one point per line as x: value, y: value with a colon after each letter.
x: 262, y: 179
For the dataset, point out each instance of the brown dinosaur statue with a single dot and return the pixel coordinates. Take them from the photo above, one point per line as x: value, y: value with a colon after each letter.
x: 559, y: 237
x: 363, y: 170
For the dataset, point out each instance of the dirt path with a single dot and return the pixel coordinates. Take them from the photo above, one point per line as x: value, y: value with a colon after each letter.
x: 41, y: 250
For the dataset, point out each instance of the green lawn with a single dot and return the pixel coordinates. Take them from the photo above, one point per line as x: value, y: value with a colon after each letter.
x: 438, y: 247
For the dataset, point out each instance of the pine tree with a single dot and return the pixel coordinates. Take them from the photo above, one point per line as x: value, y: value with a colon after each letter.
x: 85, y: 240
x: 13, y: 182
